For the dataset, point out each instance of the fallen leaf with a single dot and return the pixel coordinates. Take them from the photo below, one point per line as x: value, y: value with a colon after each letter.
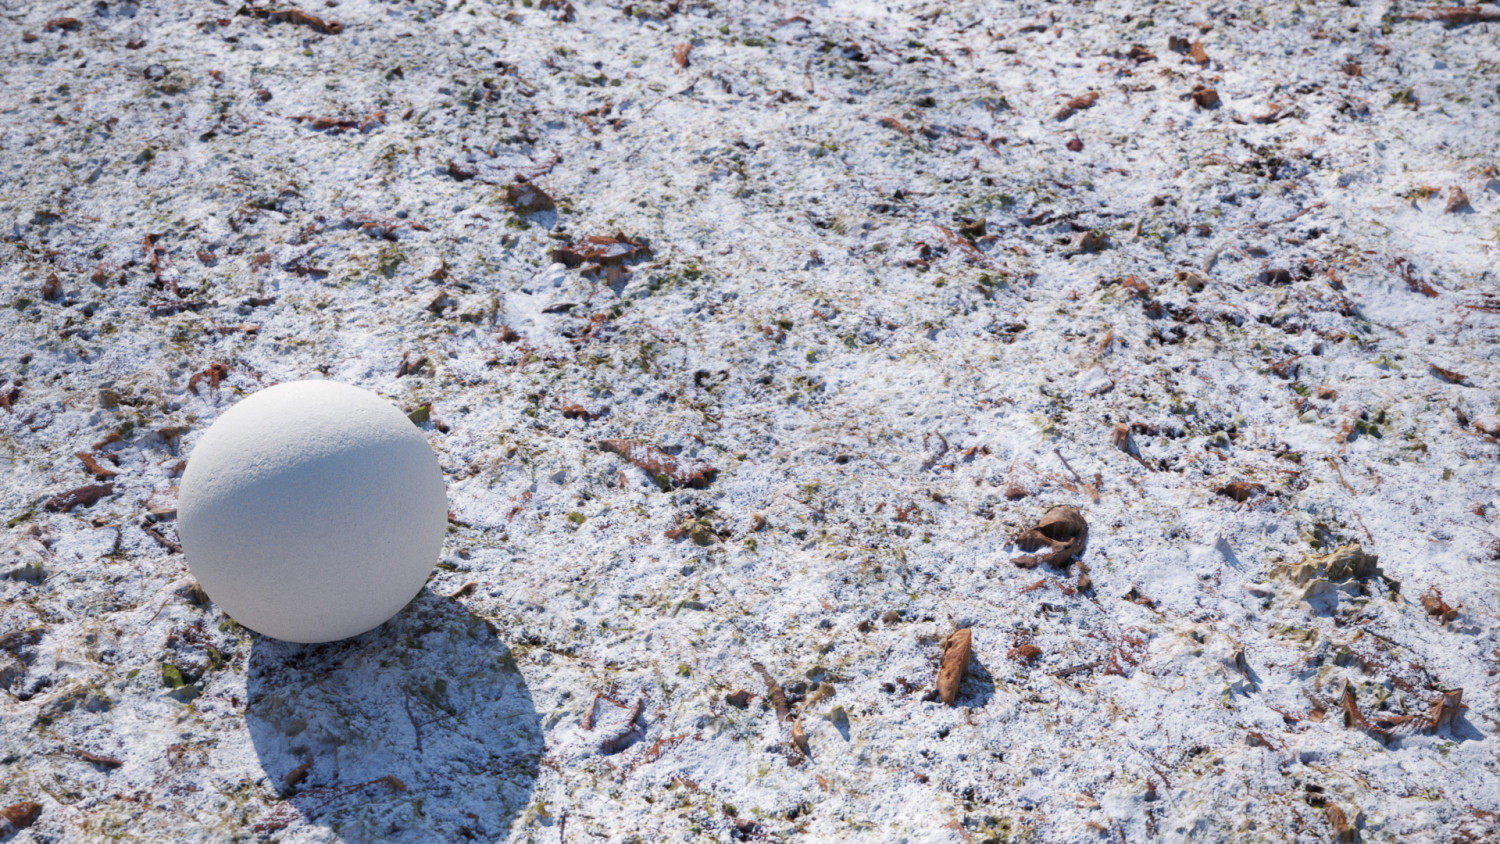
x: 104, y: 761
x: 1448, y: 374
x: 1432, y: 601
x: 1457, y: 201
x: 1456, y: 14
x: 1076, y: 104
x: 64, y: 502
x: 67, y: 24
x: 1204, y: 96
x: 52, y: 288
x: 18, y: 816
x: 1488, y: 424
x: 604, y: 251
x: 773, y: 688
x: 799, y: 737
x: 1197, y: 54
x: 528, y: 198
x: 215, y: 373
x: 658, y: 463
x: 738, y: 698
x: 1024, y: 653
x: 957, y: 651
x: 1062, y: 531
x: 297, y: 16
x: 103, y: 473
x: 1342, y: 831
x: 1241, y: 490
x: 680, y: 54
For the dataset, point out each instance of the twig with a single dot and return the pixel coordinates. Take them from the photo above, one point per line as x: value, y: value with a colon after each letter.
x: 1335, y: 465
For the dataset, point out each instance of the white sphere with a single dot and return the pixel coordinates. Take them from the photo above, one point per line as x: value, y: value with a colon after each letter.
x: 312, y: 511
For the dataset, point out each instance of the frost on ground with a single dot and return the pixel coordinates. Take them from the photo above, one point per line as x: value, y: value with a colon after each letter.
x: 751, y: 338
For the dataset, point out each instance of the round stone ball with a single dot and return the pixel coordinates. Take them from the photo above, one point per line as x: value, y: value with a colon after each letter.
x: 312, y: 511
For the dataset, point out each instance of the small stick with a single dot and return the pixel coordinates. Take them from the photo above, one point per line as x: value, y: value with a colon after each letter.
x: 1335, y: 465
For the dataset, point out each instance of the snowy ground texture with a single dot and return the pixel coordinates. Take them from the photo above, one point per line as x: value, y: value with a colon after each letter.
x: 904, y: 276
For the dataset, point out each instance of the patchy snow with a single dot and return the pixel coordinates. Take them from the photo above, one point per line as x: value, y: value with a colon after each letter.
x: 895, y: 297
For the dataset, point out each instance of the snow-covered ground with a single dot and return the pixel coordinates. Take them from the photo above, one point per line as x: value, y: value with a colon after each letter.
x: 904, y: 276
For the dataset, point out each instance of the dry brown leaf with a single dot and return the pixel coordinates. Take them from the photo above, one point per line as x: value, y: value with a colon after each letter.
x: 528, y: 198
x: 1457, y: 201
x: 1448, y: 374
x: 696, y: 474
x: 52, y: 288
x: 18, y: 816
x: 799, y: 737
x: 1197, y: 54
x: 1432, y: 601
x: 773, y: 689
x: 1488, y: 424
x: 739, y: 698
x: 68, y: 24
x: 297, y: 16
x: 957, y: 651
x: 64, y: 502
x: 1027, y: 653
x: 1241, y: 490
x: 1204, y: 96
x: 597, y: 249
x: 101, y: 472
x: 680, y: 54
x: 1456, y: 14
x: 1076, y: 104
x: 1342, y: 831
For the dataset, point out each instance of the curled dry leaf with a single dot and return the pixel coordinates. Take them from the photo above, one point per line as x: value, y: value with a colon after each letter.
x: 101, y: 472
x: 1447, y: 374
x: 1027, y: 653
x: 1456, y: 14
x: 1197, y: 54
x: 1457, y: 201
x: 597, y: 249
x: 799, y: 737
x: 1204, y: 96
x: 66, y: 24
x: 528, y: 198
x: 1062, y: 531
x: 773, y: 689
x: 52, y: 288
x: 680, y: 54
x: 18, y: 816
x: 739, y: 698
x: 215, y: 373
x: 1076, y: 104
x: 297, y: 16
x: 957, y: 651
x: 1342, y: 830
x: 1432, y: 601
x: 695, y: 473
x: 85, y: 496
x: 1241, y: 490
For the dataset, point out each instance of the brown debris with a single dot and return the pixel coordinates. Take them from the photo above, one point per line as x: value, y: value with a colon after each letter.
x: 18, y: 816
x: 773, y: 689
x: 335, y: 125
x: 1027, y: 653
x: 528, y: 198
x: 295, y: 776
x: 64, y: 502
x: 66, y: 24
x: 1448, y: 374
x: 1432, y: 601
x: 1204, y: 96
x: 1062, y: 531
x: 1456, y: 14
x: 957, y: 651
x: 573, y: 410
x: 1076, y: 104
x: 658, y: 463
x: 964, y: 245
x: 739, y: 698
x: 52, y: 288
x: 1488, y: 425
x: 600, y: 250
x: 299, y: 17
x: 1443, y: 712
x: 103, y: 473
x: 1196, y: 53
x: 409, y: 366
x: 1241, y: 490
x: 103, y: 761
x: 799, y: 737
x: 1343, y: 832
x: 893, y: 123
x: 215, y: 373
x: 1457, y: 201
x: 680, y: 54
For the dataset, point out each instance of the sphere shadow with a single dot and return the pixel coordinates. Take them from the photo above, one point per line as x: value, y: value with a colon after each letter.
x: 420, y: 730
